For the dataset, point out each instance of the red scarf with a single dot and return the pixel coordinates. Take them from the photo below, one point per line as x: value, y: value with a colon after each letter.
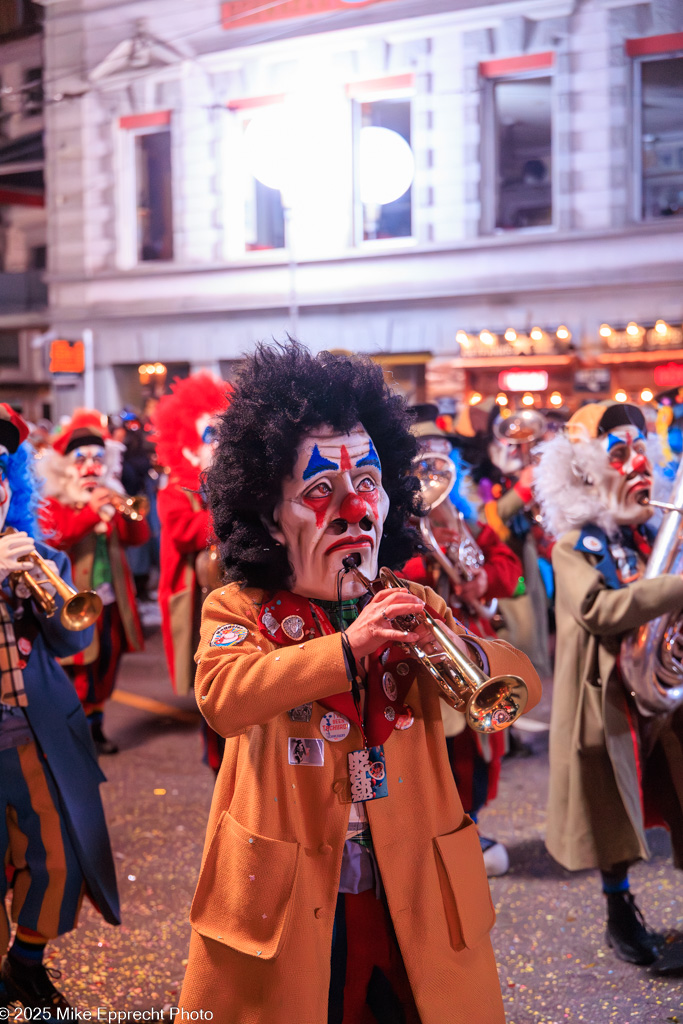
x: 288, y: 619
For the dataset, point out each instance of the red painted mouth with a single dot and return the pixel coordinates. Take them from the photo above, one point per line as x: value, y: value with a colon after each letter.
x: 351, y: 542
x: 643, y: 484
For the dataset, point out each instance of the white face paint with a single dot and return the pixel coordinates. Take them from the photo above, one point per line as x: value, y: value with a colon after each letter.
x: 85, y: 470
x: 506, y: 457
x: 5, y: 489
x: 332, y: 506
x: 628, y: 478
x: 202, y: 456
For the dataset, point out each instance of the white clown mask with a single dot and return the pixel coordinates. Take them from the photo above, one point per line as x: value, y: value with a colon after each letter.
x: 5, y: 489
x: 85, y: 469
x: 626, y: 482
x: 331, y: 507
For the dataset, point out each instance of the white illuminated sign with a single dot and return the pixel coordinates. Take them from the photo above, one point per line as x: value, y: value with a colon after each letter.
x: 523, y: 380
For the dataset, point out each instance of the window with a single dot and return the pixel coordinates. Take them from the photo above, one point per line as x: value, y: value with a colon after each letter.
x: 377, y: 218
x: 265, y: 219
x: 154, y: 196
x: 661, y: 107
x: 33, y: 92
x: 9, y: 348
x: 522, y: 123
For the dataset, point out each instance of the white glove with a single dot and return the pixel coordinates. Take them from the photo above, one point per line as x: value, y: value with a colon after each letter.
x: 12, y: 547
x: 22, y: 591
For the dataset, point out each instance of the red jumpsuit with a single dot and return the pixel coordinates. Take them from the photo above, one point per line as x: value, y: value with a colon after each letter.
x: 98, y: 559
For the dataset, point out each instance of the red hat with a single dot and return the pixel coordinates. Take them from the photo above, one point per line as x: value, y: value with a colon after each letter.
x: 13, y: 428
x: 87, y: 427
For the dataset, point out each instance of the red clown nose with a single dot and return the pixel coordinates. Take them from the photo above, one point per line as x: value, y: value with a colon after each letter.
x: 639, y: 463
x: 353, y: 508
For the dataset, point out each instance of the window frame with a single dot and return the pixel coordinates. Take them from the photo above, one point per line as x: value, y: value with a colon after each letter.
x: 636, y: 121
x: 489, y: 147
x: 393, y: 87
x: 128, y: 129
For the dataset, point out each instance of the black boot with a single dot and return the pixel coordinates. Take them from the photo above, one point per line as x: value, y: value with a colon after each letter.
x: 627, y: 933
x: 31, y: 985
x: 102, y: 743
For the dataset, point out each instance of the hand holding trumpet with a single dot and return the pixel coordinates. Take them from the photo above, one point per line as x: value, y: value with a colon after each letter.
x: 13, y: 548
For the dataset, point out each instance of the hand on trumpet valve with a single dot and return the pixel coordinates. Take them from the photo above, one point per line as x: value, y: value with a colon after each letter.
x: 36, y: 571
x: 374, y: 626
x: 100, y: 502
x: 474, y: 589
x: 14, y: 547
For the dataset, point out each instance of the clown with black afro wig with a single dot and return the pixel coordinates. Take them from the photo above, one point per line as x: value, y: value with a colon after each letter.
x: 324, y: 711
x: 283, y: 394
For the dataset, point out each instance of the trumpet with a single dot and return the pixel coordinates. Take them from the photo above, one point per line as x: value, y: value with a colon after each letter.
x: 489, y: 704
x: 81, y: 607
x: 134, y: 508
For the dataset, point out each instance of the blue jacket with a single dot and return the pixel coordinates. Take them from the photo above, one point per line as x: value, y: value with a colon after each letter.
x: 61, y: 732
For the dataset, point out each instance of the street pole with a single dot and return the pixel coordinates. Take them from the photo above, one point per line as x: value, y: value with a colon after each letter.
x: 88, y: 369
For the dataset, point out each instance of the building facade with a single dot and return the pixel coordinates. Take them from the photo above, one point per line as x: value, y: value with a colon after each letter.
x: 24, y: 380
x: 463, y: 190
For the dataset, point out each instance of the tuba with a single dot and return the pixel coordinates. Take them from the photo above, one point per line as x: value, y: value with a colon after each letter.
x: 81, y: 607
x: 437, y: 474
x: 209, y: 571
x: 652, y: 655
x: 488, y: 703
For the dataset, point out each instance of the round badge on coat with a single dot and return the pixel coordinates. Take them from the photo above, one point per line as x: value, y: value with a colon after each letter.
x: 405, y: 719
x: 592, y: 544
x: 402, y: 668
x: 293, y: 627
x: 389, y: 686
x: 389, y: 713
x: 334, y: 727
x: 25, y: 646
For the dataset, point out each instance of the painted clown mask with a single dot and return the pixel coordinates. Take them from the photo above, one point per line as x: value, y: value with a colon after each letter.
x: 331, y: 507
x: 625, y: 485
x: 85, y: 470
x: 5, y: 489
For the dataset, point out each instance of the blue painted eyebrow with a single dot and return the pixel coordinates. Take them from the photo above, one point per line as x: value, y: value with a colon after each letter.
x: 613, y: 440
x: 371, y: 459
x: 318, y: 464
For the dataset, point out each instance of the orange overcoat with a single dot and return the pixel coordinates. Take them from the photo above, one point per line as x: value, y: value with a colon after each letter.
x: 263, y: 911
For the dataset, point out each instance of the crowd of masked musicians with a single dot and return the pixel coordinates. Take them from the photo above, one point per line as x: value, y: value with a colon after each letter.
x: 535, y: 528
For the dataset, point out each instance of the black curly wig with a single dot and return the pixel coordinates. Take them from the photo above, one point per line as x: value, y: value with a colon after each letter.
x: 282, y: 393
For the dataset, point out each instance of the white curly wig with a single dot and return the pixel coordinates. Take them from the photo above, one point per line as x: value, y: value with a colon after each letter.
x: 51, y: 467
x: 565, y: 485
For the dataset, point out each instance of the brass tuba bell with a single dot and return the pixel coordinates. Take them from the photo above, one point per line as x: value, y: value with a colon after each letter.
x: 489, y: 704
x: 81, y: 607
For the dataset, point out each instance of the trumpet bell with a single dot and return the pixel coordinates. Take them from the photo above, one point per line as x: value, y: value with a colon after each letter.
x: 81, y: 610
x: 436, y: 474
x: 525, y: 427
x: 497, y: 704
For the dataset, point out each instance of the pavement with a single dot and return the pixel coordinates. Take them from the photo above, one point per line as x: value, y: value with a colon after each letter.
x: 554, y: 964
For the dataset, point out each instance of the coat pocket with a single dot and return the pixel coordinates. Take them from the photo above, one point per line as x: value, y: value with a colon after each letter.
x: 464, y: 886
x: 245, y: 890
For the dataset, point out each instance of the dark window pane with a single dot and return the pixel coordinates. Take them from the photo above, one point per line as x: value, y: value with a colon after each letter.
x: 662, y: 124
x: 394, y: 219
x: 523, y: 127
x: 9, y: 348
x: 154, y: 196
x: 265, y: 218
x: 33, y: 92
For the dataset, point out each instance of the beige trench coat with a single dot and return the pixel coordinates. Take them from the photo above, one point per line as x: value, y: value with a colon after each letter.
x: 595, y: 815
x: 263, y: 912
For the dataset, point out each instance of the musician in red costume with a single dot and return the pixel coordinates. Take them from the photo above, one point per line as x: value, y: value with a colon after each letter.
x: 82, y: 488
x: 184, y: 433
x: 475, y: 758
